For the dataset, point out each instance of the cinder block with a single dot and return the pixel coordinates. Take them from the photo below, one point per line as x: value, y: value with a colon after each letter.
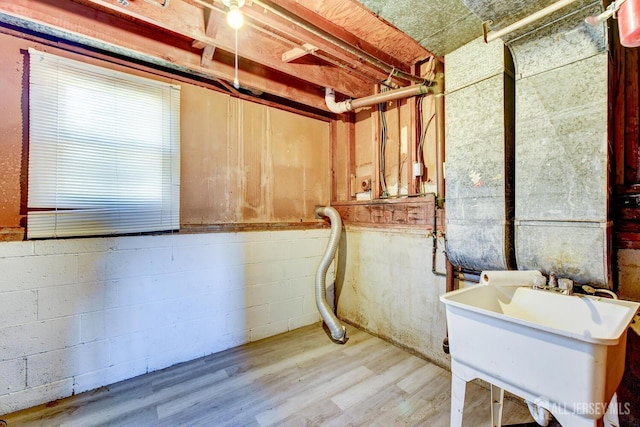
x: 285, y: 309
x: 17, y: 308
x: 92, y: 327
x: 269, y: 330
x: 257, y: 236
x: 16, y: 249
x: 309, y: 305
x: 35, y: 396
x: 137, y: 263
x: 138, y: 345
x: 134, y: 318
x: 300, y: 286
x: 74, y: 246
x: 300, y: 267
x: 307, y: 247
x: 236, y: 323
x: 60, y: 301
x: 38, y: 337
x: 266, y: 293
x: 304, y: 320
x: 146, y: 242
x: 265, y: 251
x: 38, y: 271
x: 92, y: 267
x: 110, y: 375
x: 257, y: 316
x: 52, y: 366
x: 230, y: 301
x: 13, y: 374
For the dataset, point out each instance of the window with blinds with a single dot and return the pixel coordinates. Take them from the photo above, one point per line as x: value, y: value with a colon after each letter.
x: 104, y: 151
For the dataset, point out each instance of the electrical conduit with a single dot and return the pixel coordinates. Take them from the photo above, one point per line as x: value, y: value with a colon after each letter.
x: 338, y: 331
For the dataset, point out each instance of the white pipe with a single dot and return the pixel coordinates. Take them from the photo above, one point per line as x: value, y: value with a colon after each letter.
x: 332, y: 105
x: 541, y: 415
x: 390, y: 95
x: 528, y: 20
x: 338, y: 331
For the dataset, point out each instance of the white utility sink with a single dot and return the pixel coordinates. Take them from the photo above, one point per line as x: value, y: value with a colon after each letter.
x: 564, y: 353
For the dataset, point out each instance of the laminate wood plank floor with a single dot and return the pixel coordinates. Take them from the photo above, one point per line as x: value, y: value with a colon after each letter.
x: 300, y: 378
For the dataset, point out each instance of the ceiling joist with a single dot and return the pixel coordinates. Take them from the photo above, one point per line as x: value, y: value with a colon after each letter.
x: 285, y: 49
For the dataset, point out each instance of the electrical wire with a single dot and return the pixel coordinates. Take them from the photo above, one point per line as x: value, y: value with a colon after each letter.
x: 383, y: 149
x: 423, y: 137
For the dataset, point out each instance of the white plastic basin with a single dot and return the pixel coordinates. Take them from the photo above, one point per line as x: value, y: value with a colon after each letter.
x: 565, y: 353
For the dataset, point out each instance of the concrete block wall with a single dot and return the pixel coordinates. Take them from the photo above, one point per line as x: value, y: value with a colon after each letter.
x: 385, y: 286
x: 78, y: 314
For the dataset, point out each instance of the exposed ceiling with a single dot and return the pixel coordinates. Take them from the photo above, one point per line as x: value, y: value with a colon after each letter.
x: 290, y: 49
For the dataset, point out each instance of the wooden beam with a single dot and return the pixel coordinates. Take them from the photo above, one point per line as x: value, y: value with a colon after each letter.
x: 207, y: 56
x: 354, y: 18
x: 297, y: 8
x: 298, y: 52
x: 270, y: 20
x: 187, y: 20
x: 78, y: 20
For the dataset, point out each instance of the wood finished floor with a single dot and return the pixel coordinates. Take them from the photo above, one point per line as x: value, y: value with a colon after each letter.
x: 299, y: 378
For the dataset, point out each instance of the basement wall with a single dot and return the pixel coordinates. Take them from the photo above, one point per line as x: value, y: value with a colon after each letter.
x: 385, y: 285
x: 79, y: 314
x: 242, y: 162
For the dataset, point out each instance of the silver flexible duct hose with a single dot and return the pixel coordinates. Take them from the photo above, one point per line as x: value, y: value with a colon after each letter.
x: 338, y: 331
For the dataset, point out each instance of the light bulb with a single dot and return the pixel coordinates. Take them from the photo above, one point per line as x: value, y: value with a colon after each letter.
x: 234, y: 17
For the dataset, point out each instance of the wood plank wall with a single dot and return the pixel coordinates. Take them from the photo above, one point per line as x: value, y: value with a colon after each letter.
x: 243, y: 162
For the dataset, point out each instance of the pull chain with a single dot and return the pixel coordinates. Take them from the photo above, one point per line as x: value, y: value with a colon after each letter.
x: 236, y: 83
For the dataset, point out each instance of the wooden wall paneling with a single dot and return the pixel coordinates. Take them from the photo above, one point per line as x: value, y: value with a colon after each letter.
x: 341, y: 158
x: 13, y: 137
x: 254, y: 162
x: 392, y: 152
x: 205, y: 161
x: 374, y: 147
x: 353, y: 184
x: 300, y: 165
x: 364, y: 150
x: 407, y: 123
x: 415, y: 213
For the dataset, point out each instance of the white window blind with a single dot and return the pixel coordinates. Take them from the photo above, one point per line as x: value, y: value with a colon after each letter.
x: 104, y: 151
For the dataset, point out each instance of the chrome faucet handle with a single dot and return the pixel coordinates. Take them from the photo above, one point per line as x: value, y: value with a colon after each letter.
x: 566, y: 285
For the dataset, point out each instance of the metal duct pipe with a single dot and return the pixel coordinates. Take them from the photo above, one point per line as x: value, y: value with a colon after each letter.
x: 367, y: 101
x: 528, y: 20
x: 338, y: 331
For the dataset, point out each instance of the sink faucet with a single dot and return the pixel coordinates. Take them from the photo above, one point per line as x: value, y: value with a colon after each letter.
x: 561, y: 286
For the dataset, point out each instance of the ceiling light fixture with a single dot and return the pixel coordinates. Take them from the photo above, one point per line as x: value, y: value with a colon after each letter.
x: 235, y: 21
x: 234, y: 16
